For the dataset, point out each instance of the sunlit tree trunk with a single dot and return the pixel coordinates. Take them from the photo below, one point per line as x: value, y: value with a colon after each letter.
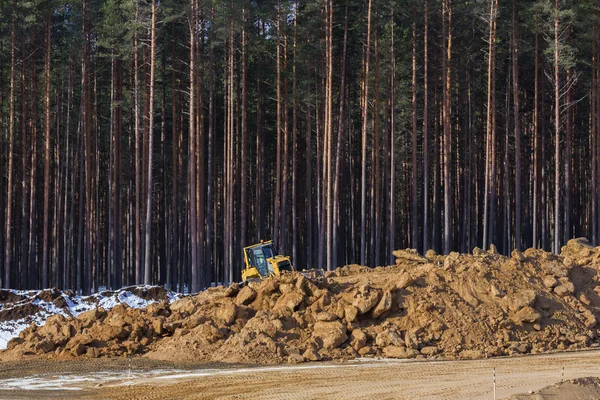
x: 148, y: 260
x: 45, y: 244
x: 447, y: 82
x: 329, y: 135
x: 294, y: 145
x: 138, y: 166
x: 517, y: 127
x: 490, y: 125
x: 277, y: 215
x: 192, y: 168
x: 338, y: 156
x: 365, y: 105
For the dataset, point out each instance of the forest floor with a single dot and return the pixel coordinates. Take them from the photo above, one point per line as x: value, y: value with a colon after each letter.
x: 383, y: 379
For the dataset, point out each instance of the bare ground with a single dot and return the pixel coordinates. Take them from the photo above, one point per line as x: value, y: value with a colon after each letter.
x: 468, y: 379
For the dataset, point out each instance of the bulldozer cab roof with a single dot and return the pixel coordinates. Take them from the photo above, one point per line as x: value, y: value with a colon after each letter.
x: 261, y: 244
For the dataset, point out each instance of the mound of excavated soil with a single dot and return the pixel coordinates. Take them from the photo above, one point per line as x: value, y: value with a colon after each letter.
x: 576, y: 389
x: 456, y: 306
x: 20, y: 309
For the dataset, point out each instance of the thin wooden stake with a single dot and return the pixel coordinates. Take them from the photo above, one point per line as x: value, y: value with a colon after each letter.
x: 494, y: 383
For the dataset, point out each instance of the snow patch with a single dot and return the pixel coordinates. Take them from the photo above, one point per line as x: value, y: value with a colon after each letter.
x: 9, y: 330
x: 79, y: 382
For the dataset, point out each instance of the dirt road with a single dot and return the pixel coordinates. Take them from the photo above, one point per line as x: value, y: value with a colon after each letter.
x: 360, y: 380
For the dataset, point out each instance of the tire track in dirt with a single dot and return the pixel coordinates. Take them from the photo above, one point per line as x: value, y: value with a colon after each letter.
x: 405, y: 380
x: 469, y: 379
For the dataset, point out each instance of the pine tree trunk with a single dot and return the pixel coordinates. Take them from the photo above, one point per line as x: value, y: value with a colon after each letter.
x: 244, y: 144
x: 174, y: 218
x: 45, y: 243
x: 200, y: 153
x: 210, y: 177
x: 517, y: 128
x: 192, y: 151
x: 110, y: 222
x: 31, y: 265
x: 338, y: 156
x: 277, y: 215
x: 425, y: 130
x: 7, y: 283
x: 375, y: 157
x: 592, y: 225
x: 229, y: 268
x: 437, y: 205
x: 536, y: 139
x: 414, y: 177
x: 568, y: 158
x: 446, y: 79
x: 363, y: 195
x: 557, y: 239
x: 545, y: 195
x: 506, y: 228
x: 392, y: 188
x: 596, y: 188
x: 117, y: 218
x: 87, y: 134
x: 309, y: 190
x: 294, y: 148
x: 148, y: 260
x: 329, y: 135
x: 67, y: 239
x: 490, y: 125
x: 138, y: 166
x: 22, y: 267
x: 284, y: 184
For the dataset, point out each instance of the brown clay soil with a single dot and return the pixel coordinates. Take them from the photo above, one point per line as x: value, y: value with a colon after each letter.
x: 465, y: 379
x: 587, y: 388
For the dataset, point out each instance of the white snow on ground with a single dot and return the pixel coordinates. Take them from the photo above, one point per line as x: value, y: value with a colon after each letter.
x: 78, y: 382
x: 137, y: 377
x: 9, y: 330
x: 75, y: 305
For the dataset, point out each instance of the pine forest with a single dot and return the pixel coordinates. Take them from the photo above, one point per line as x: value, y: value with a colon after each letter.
x: 150, y: 141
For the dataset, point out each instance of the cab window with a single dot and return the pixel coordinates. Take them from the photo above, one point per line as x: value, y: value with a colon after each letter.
x: 262, y: 265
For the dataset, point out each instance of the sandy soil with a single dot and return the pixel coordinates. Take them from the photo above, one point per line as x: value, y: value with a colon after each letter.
x: 575, y: 389
x: 469, y: 379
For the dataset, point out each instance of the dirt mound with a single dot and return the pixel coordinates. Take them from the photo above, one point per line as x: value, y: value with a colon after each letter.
x: 575, y: 389
x: 152, y: 293
x: 20, y: 309
x: 9, y: 296
x: 456, y: 306
x: 21, y: 312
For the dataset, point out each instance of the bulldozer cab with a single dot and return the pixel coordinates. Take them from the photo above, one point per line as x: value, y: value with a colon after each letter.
x: 262, y: 260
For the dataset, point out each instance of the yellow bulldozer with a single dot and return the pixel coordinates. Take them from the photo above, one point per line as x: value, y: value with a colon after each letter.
x: 261, y: 260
